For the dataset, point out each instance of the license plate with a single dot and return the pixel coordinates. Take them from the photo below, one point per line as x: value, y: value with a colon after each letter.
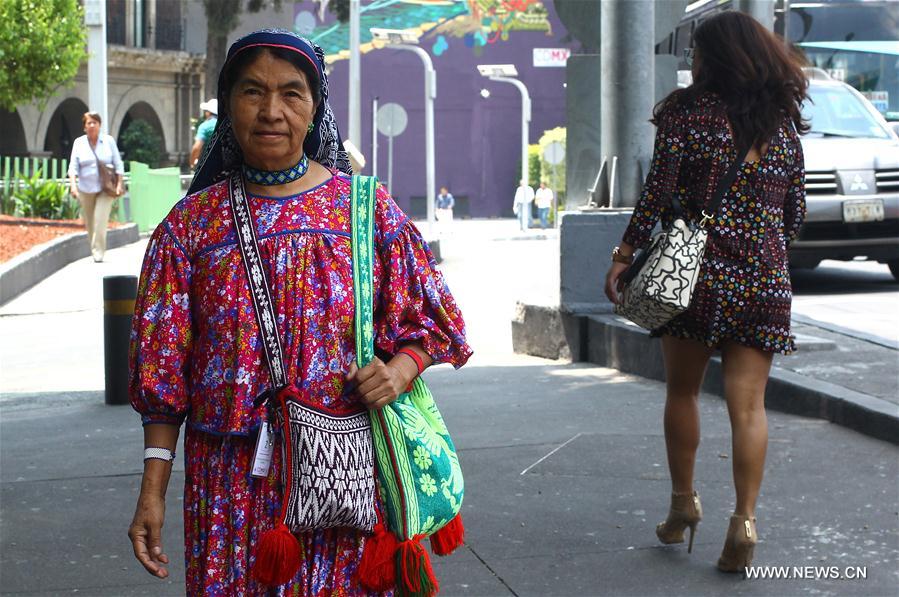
x: 863, y: 211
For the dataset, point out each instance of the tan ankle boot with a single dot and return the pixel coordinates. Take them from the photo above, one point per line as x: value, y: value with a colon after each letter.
x: 739, y: 545
x: 685, y: 511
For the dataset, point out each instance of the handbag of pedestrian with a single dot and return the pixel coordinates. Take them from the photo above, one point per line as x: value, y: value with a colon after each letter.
x: 109, y: 178
x: 658, y: 286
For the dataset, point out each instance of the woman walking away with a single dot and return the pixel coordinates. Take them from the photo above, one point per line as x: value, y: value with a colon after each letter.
x: 199, y: 355
x: 95, y: 177
x: 742, y: 108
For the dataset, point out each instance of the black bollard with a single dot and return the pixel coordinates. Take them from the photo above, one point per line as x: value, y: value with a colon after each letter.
x: 119, y: 293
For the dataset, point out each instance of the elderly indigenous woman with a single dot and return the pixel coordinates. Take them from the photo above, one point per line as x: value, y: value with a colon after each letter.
x: 196, y: 349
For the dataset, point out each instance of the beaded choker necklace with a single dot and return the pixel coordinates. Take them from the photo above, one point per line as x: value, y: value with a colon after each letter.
x: 273, y: 177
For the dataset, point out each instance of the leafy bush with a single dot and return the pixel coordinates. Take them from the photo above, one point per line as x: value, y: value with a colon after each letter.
x: 7, y: 204
x: 141, y: 143
x: 44, y: 199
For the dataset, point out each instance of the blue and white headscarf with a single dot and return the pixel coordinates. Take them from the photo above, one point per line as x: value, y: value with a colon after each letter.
x: 322, y: 145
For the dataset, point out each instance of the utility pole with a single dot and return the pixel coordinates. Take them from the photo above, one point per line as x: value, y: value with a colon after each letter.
x: 355, y: 107
x: 95, y: 20
x: 761, y: 10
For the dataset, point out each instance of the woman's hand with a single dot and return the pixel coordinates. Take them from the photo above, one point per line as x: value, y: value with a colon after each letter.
x: 378, y: 383
x: 145, y: 533
x: 613, y: 280
x: 119, y: 188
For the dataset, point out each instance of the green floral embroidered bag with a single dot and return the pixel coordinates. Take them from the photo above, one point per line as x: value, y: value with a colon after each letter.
x: 420, y: 480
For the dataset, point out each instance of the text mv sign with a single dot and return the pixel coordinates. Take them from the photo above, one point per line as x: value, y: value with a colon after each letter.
x: 551, y: 57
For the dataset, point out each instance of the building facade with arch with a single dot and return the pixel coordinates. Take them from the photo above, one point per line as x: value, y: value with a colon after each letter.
x: 150, y: 77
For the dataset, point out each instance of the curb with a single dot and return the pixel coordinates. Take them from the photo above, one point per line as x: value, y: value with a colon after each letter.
x: 609, y: 341
x: 24, y: 271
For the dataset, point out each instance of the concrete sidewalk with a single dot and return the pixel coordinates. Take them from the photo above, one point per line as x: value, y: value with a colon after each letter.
x: 565, y: 464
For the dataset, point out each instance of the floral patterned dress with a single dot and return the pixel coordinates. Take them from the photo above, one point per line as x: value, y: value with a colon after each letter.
x: 743, y: 292
x: 196, y: 357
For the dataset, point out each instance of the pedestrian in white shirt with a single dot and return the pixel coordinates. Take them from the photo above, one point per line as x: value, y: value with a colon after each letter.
x: 85, y: 180
x: 522, y: 204
x: 544, y: 201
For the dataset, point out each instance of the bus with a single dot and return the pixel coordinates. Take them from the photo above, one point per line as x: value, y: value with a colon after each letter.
x: 854, y: 41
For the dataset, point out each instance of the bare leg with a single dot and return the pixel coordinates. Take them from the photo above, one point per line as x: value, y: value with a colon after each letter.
x: 745, y: 377
x: 685, y: 365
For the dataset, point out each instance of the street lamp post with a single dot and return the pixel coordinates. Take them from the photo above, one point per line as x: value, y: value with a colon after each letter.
x: 355, y: 107
x: 505, y: 73
x: 403, y: 40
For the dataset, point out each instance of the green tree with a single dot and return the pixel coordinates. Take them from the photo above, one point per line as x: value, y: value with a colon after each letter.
x: 554, y: 176
x: 141, y: 143
x: 222, y: 18
x: 42, y: 43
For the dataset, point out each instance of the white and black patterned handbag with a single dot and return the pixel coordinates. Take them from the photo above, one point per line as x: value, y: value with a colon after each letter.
x: 658, y: 286
x: 329, y: 467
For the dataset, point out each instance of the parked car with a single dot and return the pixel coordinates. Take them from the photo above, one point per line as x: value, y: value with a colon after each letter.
x: 852, y: 179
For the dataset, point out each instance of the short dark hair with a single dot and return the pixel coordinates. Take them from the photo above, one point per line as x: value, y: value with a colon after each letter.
x: 232, y: 71
x: 93, y: 116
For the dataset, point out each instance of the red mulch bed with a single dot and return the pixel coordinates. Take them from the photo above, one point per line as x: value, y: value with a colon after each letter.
x: 17, y: 235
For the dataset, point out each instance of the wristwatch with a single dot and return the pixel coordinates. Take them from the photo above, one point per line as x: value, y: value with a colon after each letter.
x: 620, y: 257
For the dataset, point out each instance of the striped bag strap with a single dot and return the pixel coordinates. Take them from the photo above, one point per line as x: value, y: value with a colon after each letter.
x: 362, y: 206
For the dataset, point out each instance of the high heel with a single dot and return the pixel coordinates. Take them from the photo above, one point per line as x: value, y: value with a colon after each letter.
x: 739, y: 545
x: 685, y: 512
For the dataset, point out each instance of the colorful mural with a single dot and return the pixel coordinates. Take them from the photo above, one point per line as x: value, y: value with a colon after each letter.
x: 440, y: 23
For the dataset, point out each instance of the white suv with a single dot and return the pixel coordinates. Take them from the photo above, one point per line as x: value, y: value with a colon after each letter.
x: 852, y: 179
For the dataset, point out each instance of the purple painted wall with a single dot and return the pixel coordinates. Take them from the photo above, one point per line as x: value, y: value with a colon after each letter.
x: 477, y: 139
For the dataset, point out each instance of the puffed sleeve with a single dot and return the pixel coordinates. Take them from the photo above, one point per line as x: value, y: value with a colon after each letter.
x: 161, y: 332
x: 415, y: 302
x: 794, y: 201
x: 661, y: 180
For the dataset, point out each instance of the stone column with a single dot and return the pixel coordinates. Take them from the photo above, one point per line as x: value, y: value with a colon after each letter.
x: 627, y: 56
x: 760, y: 10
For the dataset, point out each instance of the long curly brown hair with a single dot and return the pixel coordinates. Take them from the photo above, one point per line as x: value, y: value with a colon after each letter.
x: 753, y: 72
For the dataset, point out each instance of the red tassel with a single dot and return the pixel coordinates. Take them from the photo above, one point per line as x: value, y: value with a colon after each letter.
x: 449, y: 537
x: 277, y: 556
x: 413, y: 570
x: 377, y: 570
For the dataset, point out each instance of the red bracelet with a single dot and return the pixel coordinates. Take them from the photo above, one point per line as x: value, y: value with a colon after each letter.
x: 412, y: 355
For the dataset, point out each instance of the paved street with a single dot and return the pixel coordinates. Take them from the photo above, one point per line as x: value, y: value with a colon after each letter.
x: 565, y: 464
x: 854, y: 296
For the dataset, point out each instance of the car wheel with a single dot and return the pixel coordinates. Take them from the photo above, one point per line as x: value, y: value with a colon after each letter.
x: 894, y: 268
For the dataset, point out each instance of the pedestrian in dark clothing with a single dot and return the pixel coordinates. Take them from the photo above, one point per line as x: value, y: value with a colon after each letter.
x: 747, y: 91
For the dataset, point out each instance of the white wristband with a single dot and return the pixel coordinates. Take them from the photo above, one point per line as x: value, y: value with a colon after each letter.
x: 159, y: 454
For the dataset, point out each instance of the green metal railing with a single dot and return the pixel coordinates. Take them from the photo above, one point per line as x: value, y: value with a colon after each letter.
x: 152, y: 193
x: 15, y: 170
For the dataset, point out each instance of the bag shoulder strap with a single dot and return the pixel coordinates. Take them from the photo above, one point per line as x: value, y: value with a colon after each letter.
x: 727, y: 180
x: 362, y: 208
x: 260, y: 292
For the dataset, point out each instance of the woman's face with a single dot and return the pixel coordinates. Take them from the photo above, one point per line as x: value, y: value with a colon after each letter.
x: 271, y: 107
x: 91, y: 128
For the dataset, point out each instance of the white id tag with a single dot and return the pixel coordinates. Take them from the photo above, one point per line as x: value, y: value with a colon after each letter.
x: 262, y: 456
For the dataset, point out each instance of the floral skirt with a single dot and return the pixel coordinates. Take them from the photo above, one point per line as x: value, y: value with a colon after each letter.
x: 226, y: 510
